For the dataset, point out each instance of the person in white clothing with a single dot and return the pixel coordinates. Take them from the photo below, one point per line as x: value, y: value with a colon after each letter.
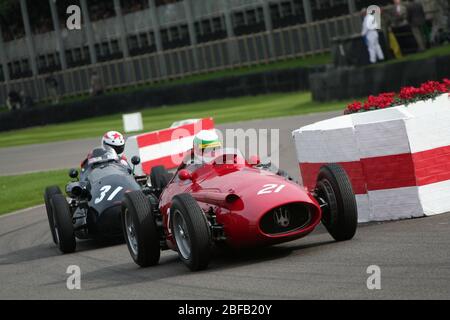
x: 370, y: 35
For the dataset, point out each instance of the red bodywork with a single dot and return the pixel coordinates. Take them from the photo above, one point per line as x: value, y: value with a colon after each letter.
x: 240, y: 195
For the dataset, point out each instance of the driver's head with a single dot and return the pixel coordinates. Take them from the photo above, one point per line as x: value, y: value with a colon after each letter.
x: 114, y: 140
x: 206, y: 145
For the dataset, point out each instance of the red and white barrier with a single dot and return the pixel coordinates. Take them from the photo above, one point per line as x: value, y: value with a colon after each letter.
x: 164, y: 147
x: 398, y: 159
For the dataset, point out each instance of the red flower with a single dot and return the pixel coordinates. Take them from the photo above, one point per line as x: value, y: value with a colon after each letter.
x: 370, y: 103
x: 428, y: 90
x: 432, y: 87
x: 384, y: 100
x: 447, y: 83
x: 353, y: 107
x: 408, y: 93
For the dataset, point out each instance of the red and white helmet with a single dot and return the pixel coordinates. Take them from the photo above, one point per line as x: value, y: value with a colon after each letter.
x: 115, y: 140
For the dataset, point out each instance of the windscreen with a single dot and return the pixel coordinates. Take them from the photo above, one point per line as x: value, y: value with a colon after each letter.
x: 101, y: 155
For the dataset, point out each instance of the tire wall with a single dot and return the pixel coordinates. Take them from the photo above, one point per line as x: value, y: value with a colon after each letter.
x: 348, y: 83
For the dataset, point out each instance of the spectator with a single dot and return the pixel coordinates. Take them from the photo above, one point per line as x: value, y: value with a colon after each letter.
x: 370, y: 34
x: 52, y: 87
x: 13, y: 101
x: 96, y: 84
x: 416, y: 19
x: 399, y: 14
x: 393, y: 44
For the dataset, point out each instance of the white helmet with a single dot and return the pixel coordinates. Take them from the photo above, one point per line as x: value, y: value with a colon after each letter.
x: 115, y: 140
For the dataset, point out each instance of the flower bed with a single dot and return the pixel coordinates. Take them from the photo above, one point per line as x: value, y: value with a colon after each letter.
x: 397, y: 158
x: 406, y: 96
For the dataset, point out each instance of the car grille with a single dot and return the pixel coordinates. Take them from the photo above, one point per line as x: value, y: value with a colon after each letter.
x: 286, y: 218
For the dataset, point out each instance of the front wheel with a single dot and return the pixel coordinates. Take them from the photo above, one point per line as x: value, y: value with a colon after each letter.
x: 65, y: 235
x: 48, y: 194
x: 139, y: 228
x: 191, y: 232
x: 339, y: 214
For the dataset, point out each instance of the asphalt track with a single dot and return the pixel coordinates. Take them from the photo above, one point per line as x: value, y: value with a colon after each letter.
x: 413, y: 254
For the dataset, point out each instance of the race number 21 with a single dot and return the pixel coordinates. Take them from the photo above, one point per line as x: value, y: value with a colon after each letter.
x: 271, y: 188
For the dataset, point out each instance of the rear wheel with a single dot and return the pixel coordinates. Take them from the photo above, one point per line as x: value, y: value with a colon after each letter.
x: 159, y: 178
x: 339, y: 215
x: 139, y: 228
x: 63, y: 226
x: 48, y: 194
x: 191, y: 232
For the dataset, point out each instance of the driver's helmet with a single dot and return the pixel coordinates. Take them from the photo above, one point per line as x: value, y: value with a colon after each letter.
x: 114, y: 140
x: 207, y: 145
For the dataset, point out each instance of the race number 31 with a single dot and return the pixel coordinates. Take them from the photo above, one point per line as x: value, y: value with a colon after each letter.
x: 104, y: 190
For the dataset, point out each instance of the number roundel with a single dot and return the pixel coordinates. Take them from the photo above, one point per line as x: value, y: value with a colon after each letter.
x: 104, y: 190
x: 271, y: 188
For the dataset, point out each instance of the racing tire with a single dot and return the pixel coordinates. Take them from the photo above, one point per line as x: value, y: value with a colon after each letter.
x: 63, y: 224
x: 340, y: 214
x: 159, y: 177
x: 139, y: 229
x: 191, y: 232
x: 48, y: 194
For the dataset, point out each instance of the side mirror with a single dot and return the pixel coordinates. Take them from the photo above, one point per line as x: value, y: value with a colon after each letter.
x: 254, y: 160
x: 135, y: 160
x: 73, y: 173
x: 184, y: 175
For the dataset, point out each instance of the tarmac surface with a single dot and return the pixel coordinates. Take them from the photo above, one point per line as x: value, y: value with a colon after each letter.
x: 412, y: 255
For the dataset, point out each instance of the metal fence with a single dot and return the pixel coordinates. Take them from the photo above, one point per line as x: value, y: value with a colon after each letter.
x: 258, y: 48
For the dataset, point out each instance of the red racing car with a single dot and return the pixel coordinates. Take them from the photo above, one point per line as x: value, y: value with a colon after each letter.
x: 229, y: 202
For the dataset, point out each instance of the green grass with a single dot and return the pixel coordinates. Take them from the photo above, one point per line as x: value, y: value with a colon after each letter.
x: 16, y: 192
x: 223, y: 111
